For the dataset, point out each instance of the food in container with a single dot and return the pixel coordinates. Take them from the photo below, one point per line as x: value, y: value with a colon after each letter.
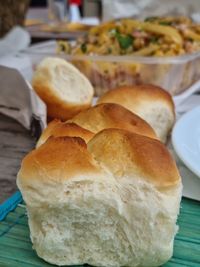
x: 162, y: 51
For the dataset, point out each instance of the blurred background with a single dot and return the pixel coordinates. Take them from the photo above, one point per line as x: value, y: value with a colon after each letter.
x: 38, y: 16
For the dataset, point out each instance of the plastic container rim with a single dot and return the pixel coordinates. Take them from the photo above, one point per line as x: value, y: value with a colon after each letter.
x: 35, y: 50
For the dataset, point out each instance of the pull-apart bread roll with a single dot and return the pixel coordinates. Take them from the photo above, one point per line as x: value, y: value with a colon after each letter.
x: 64, y: 89
x: 152, y: 103
x: 111, y: 203
x: 58, y: 128
x: 110, y: 115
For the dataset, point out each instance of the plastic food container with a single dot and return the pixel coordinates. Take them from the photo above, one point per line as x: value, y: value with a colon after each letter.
x: 175, y: 74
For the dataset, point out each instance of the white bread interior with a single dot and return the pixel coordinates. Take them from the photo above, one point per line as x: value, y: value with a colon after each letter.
x: 150, y: 102
x: 64, y: 89
x: 112, y: 203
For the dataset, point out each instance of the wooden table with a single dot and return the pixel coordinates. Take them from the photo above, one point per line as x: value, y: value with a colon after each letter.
x: 15, y: 142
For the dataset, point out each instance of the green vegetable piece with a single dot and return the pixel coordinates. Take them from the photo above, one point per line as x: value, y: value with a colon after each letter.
x: 84, y: 48
x: 109, y: 50
x: 154, y: 39
x: 150, y: 19
x: 125, y: 41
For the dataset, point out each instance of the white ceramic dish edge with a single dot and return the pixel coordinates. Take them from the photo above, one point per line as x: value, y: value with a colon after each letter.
x: 181, y: 148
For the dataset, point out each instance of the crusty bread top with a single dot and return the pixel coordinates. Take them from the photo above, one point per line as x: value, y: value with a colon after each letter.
x: 57, y: 128
x: 110, y: 115
x: 118, y: 152
x: 136, y: 95
x: 58, y: 159
x: 128, y: 154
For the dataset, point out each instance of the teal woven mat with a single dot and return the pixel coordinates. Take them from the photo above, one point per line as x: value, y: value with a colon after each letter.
x: 16, y: 248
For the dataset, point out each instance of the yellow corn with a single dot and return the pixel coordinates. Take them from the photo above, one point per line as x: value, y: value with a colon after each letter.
x: 146, y: 51
x: 155, y: 28
x: 159, y: 53
x: 103, y: 27
x: 192, y: 35
x: 163, y: 30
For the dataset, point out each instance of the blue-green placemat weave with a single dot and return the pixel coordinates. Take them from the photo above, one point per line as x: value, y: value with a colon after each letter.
x: 16, y: 248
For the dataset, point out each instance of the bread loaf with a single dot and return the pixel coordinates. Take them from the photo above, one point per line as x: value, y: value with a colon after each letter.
x: 152, y: 103
x: 109, y: 115
x: 111, y: 204
x: 57, y: 128
x: 64, y: 89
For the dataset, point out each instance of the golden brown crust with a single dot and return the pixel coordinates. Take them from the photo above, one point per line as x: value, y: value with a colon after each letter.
x: 110, y: 115
x: 112, y: 153
x: 132, y: 96
x: 128, y: 154
x: 58, y: 159
x: 57, y: 128
x: 56, y: 108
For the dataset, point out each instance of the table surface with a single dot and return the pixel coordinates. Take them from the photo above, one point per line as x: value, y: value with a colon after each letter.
x: 15, y: 142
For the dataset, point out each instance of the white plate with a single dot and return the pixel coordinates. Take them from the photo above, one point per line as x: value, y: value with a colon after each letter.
x: 186, y: 139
